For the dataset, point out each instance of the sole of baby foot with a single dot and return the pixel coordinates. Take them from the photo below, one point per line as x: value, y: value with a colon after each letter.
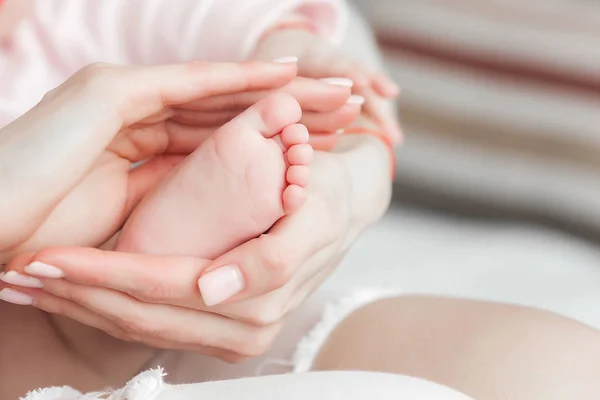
x: 234, y: 187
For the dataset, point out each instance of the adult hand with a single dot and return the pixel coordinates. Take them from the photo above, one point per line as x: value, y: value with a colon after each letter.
x: 326, y: 106
x: 317, y: 58
x: 74, y: 150
x: 155, y: 300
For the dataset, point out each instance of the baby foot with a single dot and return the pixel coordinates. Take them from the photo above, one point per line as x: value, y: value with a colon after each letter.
x: 233, y: 188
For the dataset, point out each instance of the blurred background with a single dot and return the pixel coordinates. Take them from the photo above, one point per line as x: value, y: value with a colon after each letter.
x: 498, y: 188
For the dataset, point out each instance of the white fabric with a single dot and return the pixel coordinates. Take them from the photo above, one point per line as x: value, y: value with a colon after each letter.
x: 333, y: 314
x: 336, y: 385
x: 62, y: 36
x: 150, y: 384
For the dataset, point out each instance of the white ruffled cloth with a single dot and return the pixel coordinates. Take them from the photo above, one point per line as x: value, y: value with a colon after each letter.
x: 145, y: 386
x: 149, y: 384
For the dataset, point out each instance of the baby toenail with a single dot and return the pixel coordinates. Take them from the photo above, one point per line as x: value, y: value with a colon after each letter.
x: 221, y: 284
x: 17, y: 279
x: 38, y: 268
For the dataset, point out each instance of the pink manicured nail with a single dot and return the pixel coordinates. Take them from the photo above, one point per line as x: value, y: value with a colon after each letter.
x: 338, y: 81
x: 286, y: 60
x: 37, y: 268
x: 356, y: 99
x: 221, y: 284
x: 17, y: 279
x: 14, y: 297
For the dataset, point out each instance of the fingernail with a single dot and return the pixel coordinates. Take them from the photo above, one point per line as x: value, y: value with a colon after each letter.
x: 14, y: 297
x: 286, y: 60
x: 338, y: 81
x: 356, y: 99
x: 44, y: 270
x: 221, y: 284
x: 17, y: 279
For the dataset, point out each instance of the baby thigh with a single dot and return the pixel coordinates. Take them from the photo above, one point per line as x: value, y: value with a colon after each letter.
x: 486, y: 350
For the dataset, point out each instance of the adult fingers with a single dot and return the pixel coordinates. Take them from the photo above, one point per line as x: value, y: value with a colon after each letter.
x: 150, y: 278
x: 333, y: 121
x: 362, y: 76
x: 185, y: 138
x: 270, y: 261
x: 263, y: 310
x: 140, y: 92
x: 381, y: 111
x: 384, y: 85
x: 141, y: 321
x: 371, y: 86
x: 56, y: 305
x: 313, y: 95
x: 320, y: 66
x: 80, y: 130
x: 59, y: 306
x: 274, y: 306
x: 133, y: 94
x: 314, y: 121
x: 325, y: 264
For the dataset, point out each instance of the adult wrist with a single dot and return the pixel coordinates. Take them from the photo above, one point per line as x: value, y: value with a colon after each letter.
x: 367, y: 161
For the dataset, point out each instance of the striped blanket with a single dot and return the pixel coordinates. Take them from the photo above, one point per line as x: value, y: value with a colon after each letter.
x: 500, y: 101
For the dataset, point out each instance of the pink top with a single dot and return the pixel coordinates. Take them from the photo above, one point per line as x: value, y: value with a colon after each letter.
x: 61, y: 36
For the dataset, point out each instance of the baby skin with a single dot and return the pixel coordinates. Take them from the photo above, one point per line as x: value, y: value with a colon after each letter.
x: 232, y: 188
